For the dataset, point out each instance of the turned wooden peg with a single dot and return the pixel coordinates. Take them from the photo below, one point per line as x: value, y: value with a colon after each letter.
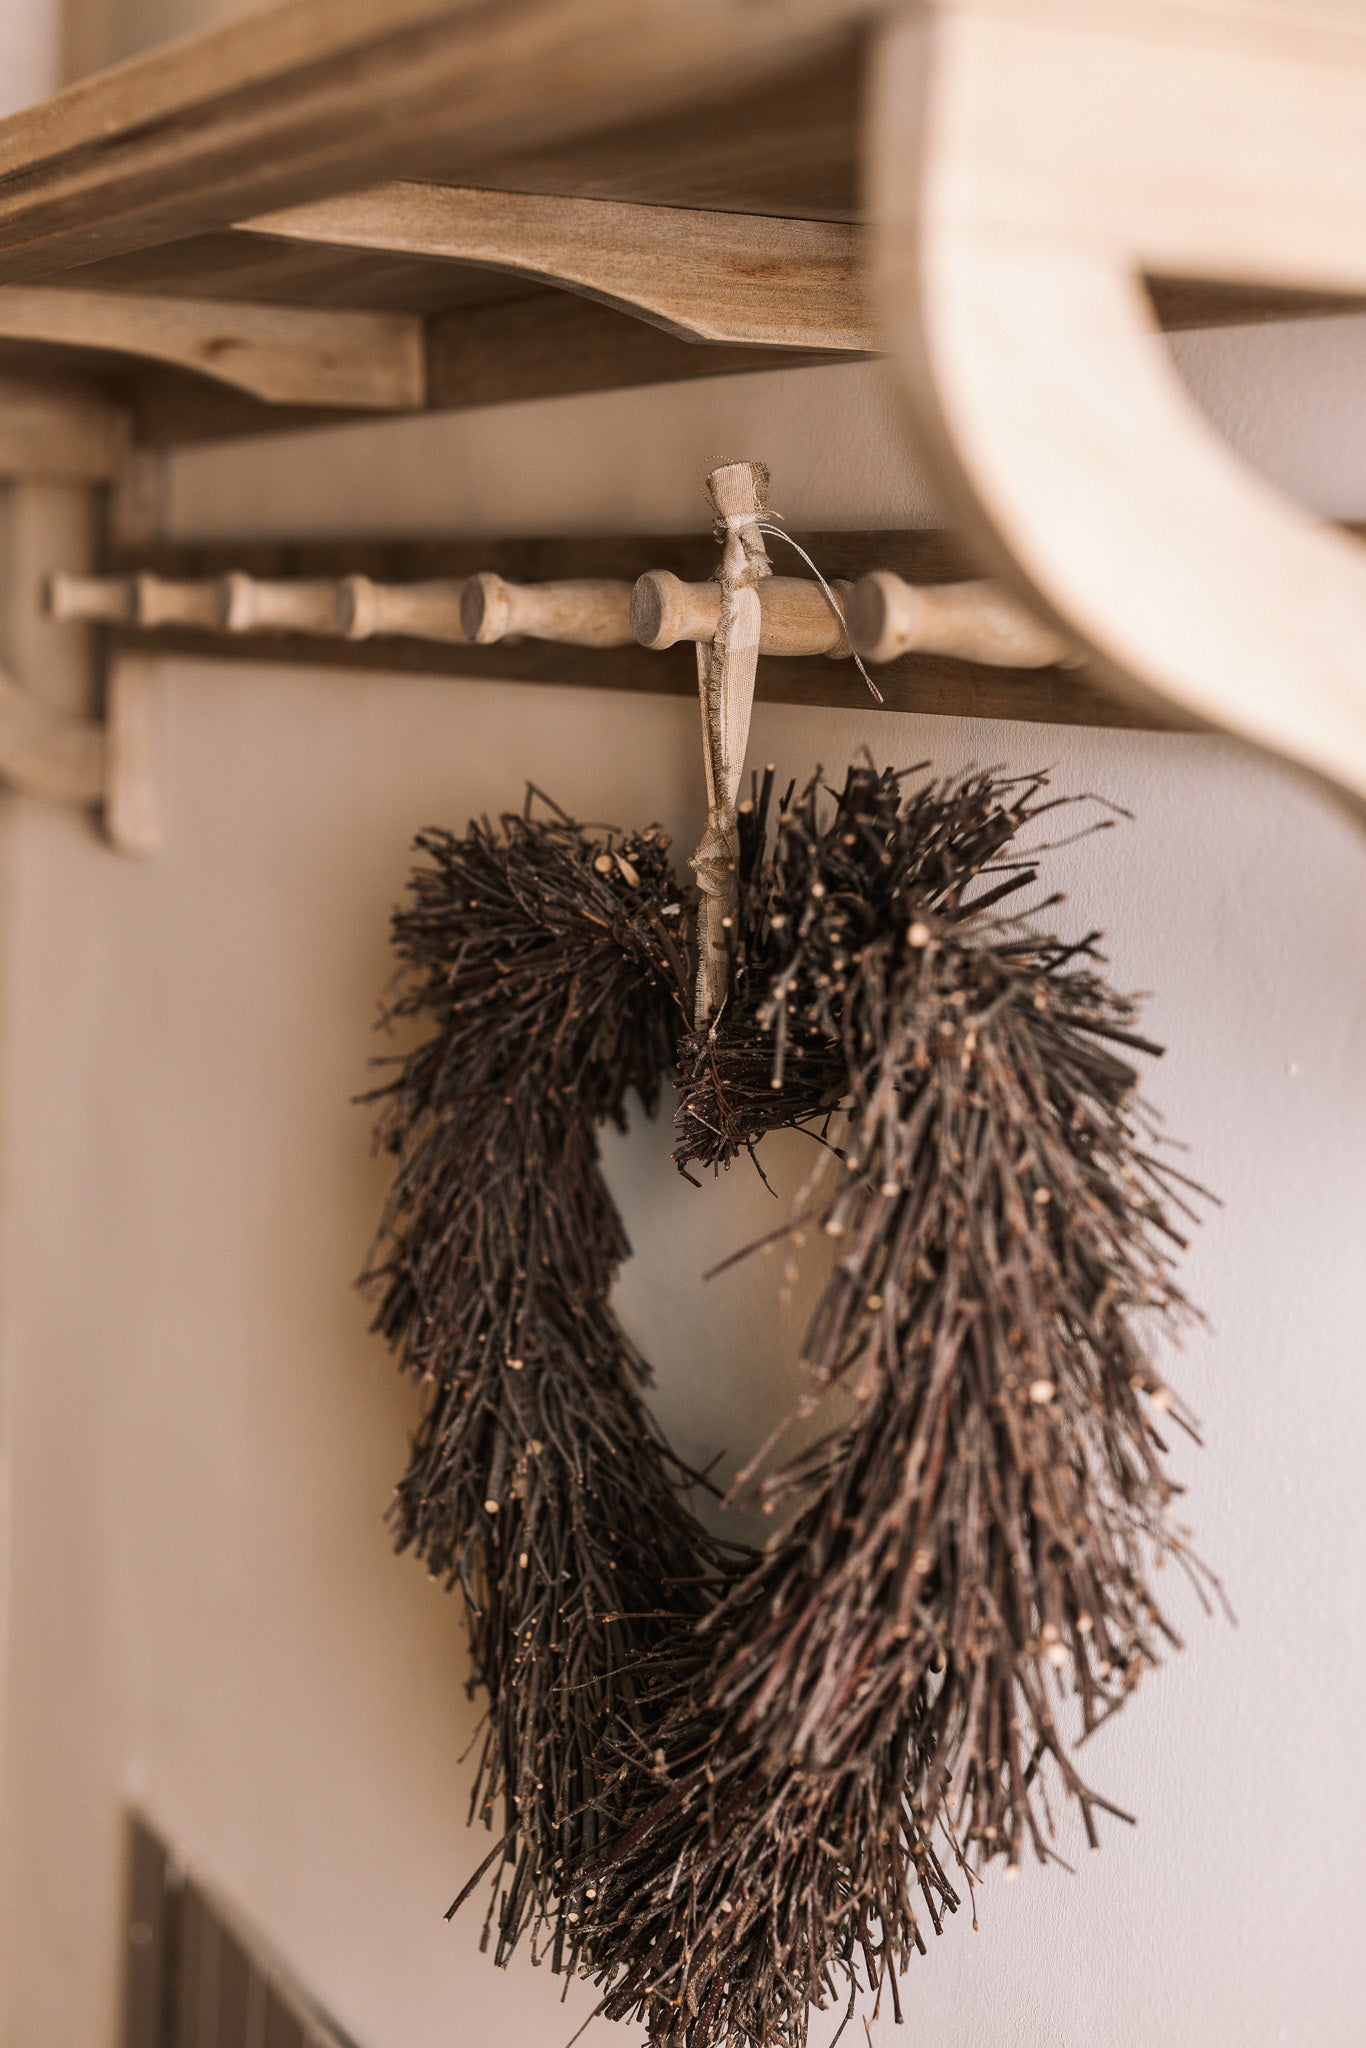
x: 416, y: 611
x: 163, y: 601
x: 970, y: 621
x: 588, y: 612
x: 91, y: 600
x: 797, y: 616
x: 257, y: 604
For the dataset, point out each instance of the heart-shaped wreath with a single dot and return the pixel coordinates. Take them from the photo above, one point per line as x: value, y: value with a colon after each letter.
x: 729, y: 1785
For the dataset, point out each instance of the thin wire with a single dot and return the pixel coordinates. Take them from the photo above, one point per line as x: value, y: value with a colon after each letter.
x: 781, y: 533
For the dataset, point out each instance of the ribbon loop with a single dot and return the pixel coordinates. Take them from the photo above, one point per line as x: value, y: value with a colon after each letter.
x: 726, y: 671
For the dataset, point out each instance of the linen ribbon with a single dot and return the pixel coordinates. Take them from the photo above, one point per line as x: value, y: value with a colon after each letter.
x: 726, y: 669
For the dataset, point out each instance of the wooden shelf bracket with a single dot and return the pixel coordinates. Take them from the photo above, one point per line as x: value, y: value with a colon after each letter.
x: 286, y: 355
x: 60, y: 448
x: 1029, y: 167
x: 759, y: 281
x: 108, y: 764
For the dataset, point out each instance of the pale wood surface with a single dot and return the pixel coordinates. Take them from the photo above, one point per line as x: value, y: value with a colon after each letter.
x: 795, y: 615
x: 542, y: 344
x: 260, y: 604
x: 978, y: 621
x: 559, y: 113
x: 327, y: 95
x: 134, y: 766
x: 1024, y: 177
x: 91, y: 600
x: 426, y: 611
x: 709, y: 276
x: 170, y: 601
x: 365, y: 361
x: 582, y: 612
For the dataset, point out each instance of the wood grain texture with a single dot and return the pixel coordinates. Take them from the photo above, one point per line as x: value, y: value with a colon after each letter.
x: 541, y: 344
x: 914, y: 683
x: 229, y: 265
x: 327, y: 95
x: 708, y: 276
x: 583, y: 611
x: 285, y: 355
x: 796, y: 617
x: 974, y: 621
x: 129, y: 183
x: 1065, y: 160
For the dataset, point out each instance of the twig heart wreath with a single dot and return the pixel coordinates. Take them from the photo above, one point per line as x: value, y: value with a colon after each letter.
x: 729, y: 1786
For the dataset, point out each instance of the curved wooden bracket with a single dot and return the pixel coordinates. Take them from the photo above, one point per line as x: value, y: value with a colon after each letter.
x: 287, y: 355
x: 43, y: 754
x: 85, y: 762
x: 706, y: 276
x: 1030, y: 166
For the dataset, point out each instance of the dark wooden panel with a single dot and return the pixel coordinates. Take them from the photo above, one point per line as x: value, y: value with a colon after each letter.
x: 553, y: 343
x: 235, y: 1995
x: 280, y: 2028
x: 537, y: 344
x: 916, y: 683
x: 195, y: 1975
x: 541, y: 343
x: 151, y: 1905
x: 197, y: 1979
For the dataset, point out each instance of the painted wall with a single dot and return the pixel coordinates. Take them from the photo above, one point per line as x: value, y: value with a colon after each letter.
x: 30, y: 41
x: 201, y: 1435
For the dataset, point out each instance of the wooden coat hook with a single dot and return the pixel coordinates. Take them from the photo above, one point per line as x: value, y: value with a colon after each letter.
x: 977, y: 621
x: 585, y: 612
x: 880, y: 616
x: 796, y: 617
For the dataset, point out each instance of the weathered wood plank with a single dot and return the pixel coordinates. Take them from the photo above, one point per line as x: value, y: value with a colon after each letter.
x: 708, y: 276
x: 540, y: 344
x: 327, y: 95
x: 283, y: 354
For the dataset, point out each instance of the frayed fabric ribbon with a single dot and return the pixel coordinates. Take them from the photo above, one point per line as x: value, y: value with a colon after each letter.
x: 726, y: 668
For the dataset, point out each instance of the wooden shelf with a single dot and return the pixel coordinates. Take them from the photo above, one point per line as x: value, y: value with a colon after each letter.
x: 463, y: 206
x: 373, y: 208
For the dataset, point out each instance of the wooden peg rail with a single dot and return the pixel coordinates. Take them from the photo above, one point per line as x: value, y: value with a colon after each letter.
x: 601, y: 612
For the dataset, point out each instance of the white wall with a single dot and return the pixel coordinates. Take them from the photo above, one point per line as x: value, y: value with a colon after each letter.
x: 205, y: 1615
x: 30, y: 35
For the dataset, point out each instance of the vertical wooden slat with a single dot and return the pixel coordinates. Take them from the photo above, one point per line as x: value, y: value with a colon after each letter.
x: 151, y: 1898
x: 232, y: 2002
x: 196, y: 1988
x: 196, y: 1977
x: 282, y: 2029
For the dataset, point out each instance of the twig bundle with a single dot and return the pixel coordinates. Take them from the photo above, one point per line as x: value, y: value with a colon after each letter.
x: 736, y: 1786
x: 551, y: 967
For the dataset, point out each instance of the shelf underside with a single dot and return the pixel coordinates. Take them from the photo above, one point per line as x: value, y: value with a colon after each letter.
x: 678, y: 216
